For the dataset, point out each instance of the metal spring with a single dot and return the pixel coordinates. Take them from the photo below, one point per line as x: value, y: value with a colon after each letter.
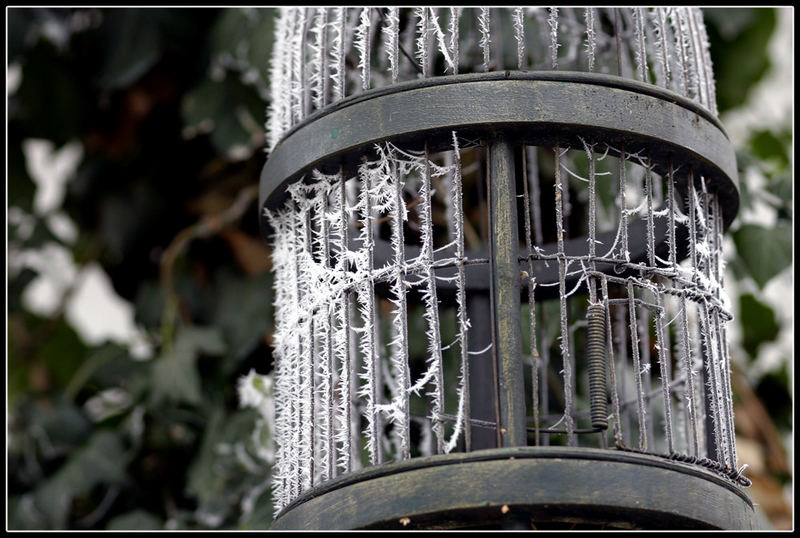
x: 596, y: 358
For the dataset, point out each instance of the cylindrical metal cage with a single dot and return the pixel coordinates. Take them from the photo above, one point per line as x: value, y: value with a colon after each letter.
x: 497, y: 245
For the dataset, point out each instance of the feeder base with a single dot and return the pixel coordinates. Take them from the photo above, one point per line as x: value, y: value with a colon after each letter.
x: 525, y: 488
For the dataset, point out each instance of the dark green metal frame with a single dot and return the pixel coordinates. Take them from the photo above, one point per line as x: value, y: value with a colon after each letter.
x: 543, y: 487
x: 539, y: 485
x: 541, y: 106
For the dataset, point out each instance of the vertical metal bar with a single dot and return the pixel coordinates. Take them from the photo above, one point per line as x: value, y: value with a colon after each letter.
x: 566, y: 358
x: 492, y: 321
x: 506, y: 291
x: 673, y: 256
x: 324, y: 83
x: 531, y: 278
x: 611, y: 367
x: 305, y: 103
x: 651, y: 241
x: 370, y: 321
x: 297, y: 410
x: 326, y: 363
x: 665, y: 368
x: 312, y: 456
x: 546, y: 339
x: 619, y: 336
x: 592, y: 219
x: 714, y: 444
x: 480, y: 367
x: 689, y: 372
x: 311, y: 395
x: 619, y: 41
x: 456, y: 195
x: 637, y: 369
x: 401, y: 314
x: 433, y: 305
x: 643, y: 319
x: 345, y: 313
x: 533, y: 179
x: 623, y: 209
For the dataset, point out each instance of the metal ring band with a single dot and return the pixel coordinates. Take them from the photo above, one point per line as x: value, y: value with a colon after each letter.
x: 428, y: 491
x: 540, y: 107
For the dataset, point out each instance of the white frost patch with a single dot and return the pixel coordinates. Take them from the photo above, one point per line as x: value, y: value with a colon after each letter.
x: 50, y: 170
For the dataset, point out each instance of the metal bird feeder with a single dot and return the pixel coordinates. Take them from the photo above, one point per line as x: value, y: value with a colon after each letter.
x: 497, y: 242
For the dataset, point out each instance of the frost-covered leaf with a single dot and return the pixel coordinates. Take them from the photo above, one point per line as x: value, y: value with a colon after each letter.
x: 174, y: 376
x: 101, y: 461
x: 244, y: 311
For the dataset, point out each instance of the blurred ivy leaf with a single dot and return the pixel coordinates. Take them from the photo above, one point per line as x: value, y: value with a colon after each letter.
x: 135, y: 520
x: 242, y: 40
x: 174, y: 376
x: 114, y: 367
x: 18, y: 27
x: 133, y: 45
x: 259, y: 516
x: 244, y: 311
x: 64, y: 425
x: 224, y: 470
x: 772, y: 390
x: 230, y: 111
x: 17, y: 284
x: 149, y: 304
x: 758, y: 322
x: 63, y: 352
x: 772, y: 146
x: 21, y: 187
x: 739, y: 47
x: 781, y: 186
x: 101, y: 461
x: 52, y: 104
x: 126, y: 216
x: 764, y: 252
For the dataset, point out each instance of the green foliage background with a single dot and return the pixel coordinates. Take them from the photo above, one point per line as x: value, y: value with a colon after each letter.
x: 168, y: 105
